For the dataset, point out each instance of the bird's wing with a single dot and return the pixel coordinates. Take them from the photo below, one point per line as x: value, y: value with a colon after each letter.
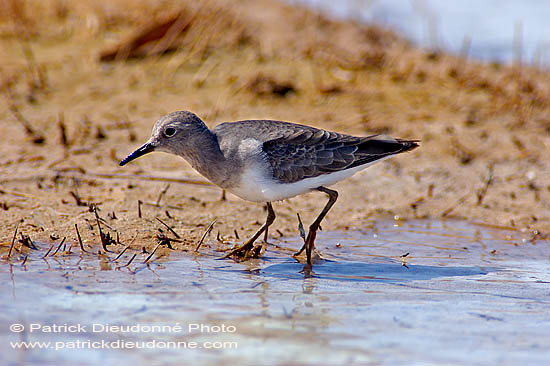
x: 311, y: 153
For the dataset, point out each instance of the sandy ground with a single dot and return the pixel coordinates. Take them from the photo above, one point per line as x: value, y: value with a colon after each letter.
x: 67, y: 118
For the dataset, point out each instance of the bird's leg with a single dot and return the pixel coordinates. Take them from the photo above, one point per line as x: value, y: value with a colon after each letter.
x: 302, y: 235
x: 301, y: 229
x: 309, y: 242
x: 247, y: 249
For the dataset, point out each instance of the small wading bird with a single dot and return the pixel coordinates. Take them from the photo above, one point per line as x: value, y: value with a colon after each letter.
x: 266, y: 161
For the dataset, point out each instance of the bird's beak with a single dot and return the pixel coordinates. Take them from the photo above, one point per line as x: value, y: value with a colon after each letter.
x: 146, y: 148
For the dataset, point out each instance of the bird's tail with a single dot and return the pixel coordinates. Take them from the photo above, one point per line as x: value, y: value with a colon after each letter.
x: 408, y: 144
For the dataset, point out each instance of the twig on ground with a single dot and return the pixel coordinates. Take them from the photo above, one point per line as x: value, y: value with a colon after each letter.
x: 206, y: 232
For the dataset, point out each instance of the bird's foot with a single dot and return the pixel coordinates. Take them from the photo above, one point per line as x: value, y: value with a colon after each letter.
x: 300, y: 251
x: 309, y: 243
x: 246, y: 251
x: 301, y: 256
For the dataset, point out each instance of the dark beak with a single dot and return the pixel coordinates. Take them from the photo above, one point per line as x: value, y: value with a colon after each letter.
x: 146, y: 148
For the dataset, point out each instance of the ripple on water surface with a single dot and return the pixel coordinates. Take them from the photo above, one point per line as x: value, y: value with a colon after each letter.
x: 421, y: 291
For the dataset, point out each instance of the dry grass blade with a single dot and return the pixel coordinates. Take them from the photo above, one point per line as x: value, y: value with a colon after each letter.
x: 152, y: 253
x: 13, y: 241
x: 130, y: 261
x: 451, y: 209
x: 106, y: 239
x: 206, y: 232
x: 70, y: 247
x: 59, y: 246
x: 26, y: 241
x: 121, y: 253
x: 168, y: 227
x: 162, y: 193
x: 488, y: 181
x: 63, y: 140
x: 166, y: 241
x: 36, y: 137
x: 48, y: 252
x: 77, y: 198
x: 125, y: 248
x: 80, y: 239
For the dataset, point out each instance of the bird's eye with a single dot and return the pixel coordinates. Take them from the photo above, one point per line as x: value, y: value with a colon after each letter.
x: 170, y: 131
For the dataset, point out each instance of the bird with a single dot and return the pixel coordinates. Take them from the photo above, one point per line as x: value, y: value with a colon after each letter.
x: 268, y: 160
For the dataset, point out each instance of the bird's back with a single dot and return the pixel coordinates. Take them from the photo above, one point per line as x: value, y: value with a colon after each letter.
x: 295, y: 152
x: 261, y: 130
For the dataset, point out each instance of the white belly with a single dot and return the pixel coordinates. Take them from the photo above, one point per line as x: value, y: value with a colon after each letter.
x: 256, y: 186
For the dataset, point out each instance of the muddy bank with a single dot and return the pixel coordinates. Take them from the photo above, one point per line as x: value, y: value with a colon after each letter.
x: 68, y: 118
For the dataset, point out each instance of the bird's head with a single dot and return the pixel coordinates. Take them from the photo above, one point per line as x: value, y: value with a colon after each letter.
x: 171, y: 134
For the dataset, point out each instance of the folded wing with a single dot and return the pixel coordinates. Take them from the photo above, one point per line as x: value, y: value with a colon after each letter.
x: 311, y: 153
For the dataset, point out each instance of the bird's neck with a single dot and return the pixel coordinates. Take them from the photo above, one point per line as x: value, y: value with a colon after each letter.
x: 206, y: 157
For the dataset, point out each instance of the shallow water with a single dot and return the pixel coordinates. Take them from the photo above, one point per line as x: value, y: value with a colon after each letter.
x: 465, y: 294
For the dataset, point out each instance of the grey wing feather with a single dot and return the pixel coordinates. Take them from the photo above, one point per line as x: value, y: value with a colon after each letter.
x: 298, y: 151
x: 311, y: 153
